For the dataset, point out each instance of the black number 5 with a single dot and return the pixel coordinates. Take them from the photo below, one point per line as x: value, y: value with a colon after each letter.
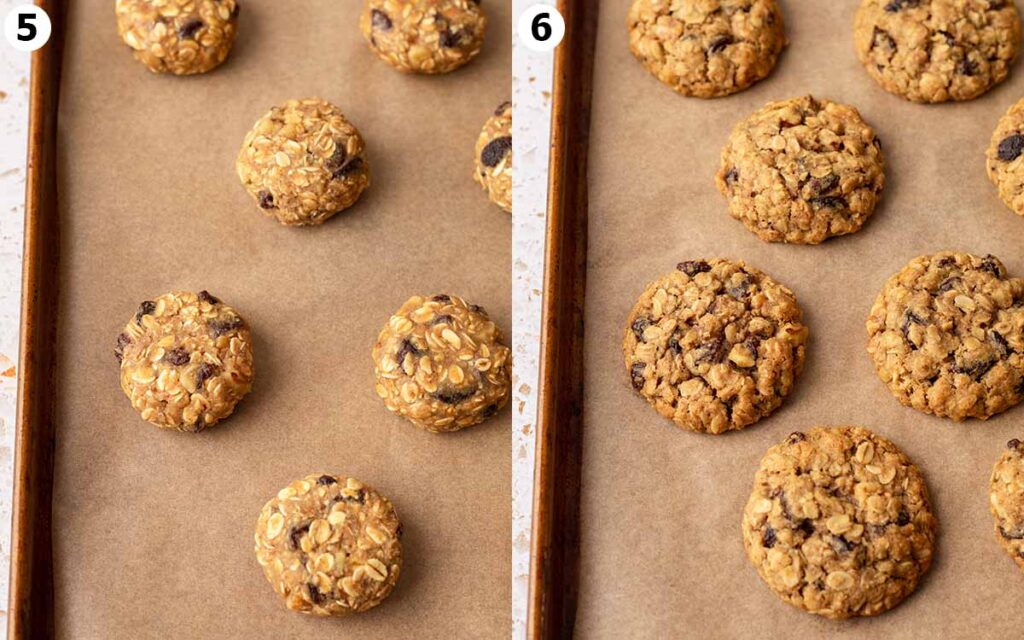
x: 541, y: 27
x: 26, y: 30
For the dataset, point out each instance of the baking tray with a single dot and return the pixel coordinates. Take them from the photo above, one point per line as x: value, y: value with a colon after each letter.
x: 661, y: 548
x: 152, y: 530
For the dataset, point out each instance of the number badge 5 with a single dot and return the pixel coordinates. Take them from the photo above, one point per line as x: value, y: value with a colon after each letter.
x: 27, y: 27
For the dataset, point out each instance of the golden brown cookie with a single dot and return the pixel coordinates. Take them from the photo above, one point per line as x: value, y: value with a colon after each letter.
x: 329, y: 545
x: 947, y: 333
x: 714, y: 345
x: 839, y: 522
x: 303, y: 162
x: 937, y: 50
x: 442, y: 363
x: 802, y: 170
x: 494, y: 157
x: 186, y: 360
x: 1003, y: 158
x: 424, y: 36
x: 706, y: 48
x: 1006, y: 500
x: 182, y: 37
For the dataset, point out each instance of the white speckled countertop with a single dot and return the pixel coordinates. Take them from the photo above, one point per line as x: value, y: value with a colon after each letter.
x: 13, y: 133
x: 531, y: 91
x: 14, y: 72
x: 532, y: 97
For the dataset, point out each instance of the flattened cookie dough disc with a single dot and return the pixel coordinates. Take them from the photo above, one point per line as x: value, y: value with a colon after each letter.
x: 715, y: 345
x: 802, y: 170
x: 186, y: 360
x: 839, y: 522
x: 330, y: 545
x: 303, y: 162
x: 706, y: 48
x: 1003, y: 158
x: 1006, y: 500
x: 182, y: 37
x: 424, y: 36
x: 947, y: 333
x: 442, y: 364
x: 494, y: 157
x: 937, y: 50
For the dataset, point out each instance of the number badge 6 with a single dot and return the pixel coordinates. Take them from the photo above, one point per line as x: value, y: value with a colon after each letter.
x: 541, y: 27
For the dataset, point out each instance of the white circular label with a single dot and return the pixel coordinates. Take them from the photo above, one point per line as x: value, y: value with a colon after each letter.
x: 541, y: 27
x: 27, y: 27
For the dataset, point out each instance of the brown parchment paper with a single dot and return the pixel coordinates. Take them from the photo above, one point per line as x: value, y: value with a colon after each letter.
x: 153, y: 530
x: 662, y: 553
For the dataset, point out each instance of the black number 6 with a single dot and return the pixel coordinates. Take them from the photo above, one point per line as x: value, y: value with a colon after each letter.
x: 25, y: 25
x: 541, y: 27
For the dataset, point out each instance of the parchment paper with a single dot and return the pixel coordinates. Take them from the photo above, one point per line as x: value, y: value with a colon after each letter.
x: 662, y: 551
x: 153, y: 529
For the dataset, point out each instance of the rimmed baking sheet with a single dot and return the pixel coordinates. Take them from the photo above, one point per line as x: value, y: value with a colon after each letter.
x: 152, y: 529
x: 662, y: 551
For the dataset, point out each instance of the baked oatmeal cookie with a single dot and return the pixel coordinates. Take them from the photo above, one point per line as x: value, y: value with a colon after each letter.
x: 1003, y: 158
x: 706, y: 48
x: 182, y: 37
x: 715, y: 345
x: 494, y: 157
x: 424, y: 36
x: 330, y: 545
x: 1006, y: 500
x: 442, y: 364
x: 186, y: 360
x: 839, y: 522
x: 802, y: 170
x: 947, y: 335
x: 937, y: 50
x: 303, y: 162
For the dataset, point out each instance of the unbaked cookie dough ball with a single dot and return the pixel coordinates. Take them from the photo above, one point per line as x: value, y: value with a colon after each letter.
x: 706, y: 48
x: 330, y: 545
x: 182, y: 37
x: 442, y: 363
x: 494, y: 157
x: 303, y: 162
x: 186, y: 360
x: 424, y: 36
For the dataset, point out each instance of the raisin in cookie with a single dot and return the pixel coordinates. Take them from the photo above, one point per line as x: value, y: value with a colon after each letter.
x: 442, y: 364
x: 303, y: 162
x: 1003, y: 158
x: 494, y: 157
x: 424, y: 36
x: 1006, y: 500
x: 937, y: 50
x: 839, y: 522
x: 186, y: 360
x: 715, y: 345
x: 947, y: 333
x: 330, y: 545
x: 182, y: 37
x: 802, y: 170
x: 706, y: 48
